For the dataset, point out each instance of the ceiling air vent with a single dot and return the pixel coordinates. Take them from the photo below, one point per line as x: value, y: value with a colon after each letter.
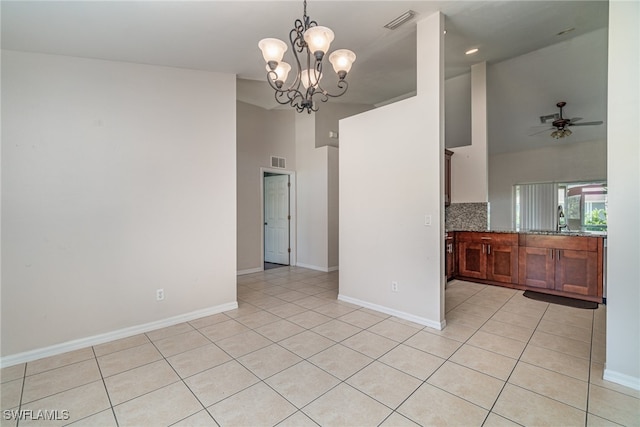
x: 405, y: 17
x: 278, y: 162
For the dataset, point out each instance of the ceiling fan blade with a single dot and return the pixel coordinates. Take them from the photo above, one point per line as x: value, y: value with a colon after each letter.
x: 540, y: 131
x: 575, y: 119
x: 586, y: 123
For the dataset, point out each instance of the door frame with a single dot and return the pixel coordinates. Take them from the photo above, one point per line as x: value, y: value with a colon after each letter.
x: 292, y: 212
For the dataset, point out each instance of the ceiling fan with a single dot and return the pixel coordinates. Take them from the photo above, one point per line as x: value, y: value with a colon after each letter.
x: 560, y: 124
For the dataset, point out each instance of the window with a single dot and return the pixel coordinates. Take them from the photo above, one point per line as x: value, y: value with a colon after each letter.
x: 578, y: 206
x: 594, y: 208
x: 535, y: 206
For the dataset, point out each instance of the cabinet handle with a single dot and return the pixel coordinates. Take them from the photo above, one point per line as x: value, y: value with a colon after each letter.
x: 551, y: 250
x: 483, y: 248
x: 489, y: 249
x: 559, y: 251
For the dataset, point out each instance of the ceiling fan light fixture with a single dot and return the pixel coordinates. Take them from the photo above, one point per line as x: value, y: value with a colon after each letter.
x: 561, y: 133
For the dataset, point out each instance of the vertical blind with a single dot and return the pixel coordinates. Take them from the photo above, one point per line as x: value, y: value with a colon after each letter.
x: 538, y: 206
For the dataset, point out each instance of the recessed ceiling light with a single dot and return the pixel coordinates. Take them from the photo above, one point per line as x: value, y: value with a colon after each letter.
x: 565, y: 31
x: 471, y: 51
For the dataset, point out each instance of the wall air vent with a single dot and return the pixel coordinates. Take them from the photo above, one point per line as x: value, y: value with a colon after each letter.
x: 404, y: 18
x: 278, y: 162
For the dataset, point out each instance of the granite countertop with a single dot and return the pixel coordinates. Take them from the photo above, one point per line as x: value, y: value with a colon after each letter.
x: 540, y: 232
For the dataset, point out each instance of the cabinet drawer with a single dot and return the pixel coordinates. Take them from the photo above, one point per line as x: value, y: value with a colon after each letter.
x: 509, y: 239
x: 575, y: 243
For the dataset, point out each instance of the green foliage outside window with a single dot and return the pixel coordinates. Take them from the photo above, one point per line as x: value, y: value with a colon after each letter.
x: 596, y: 217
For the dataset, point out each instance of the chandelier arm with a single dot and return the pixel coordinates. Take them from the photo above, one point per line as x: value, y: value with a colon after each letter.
x: 297, y: 43
x: 292, y: 40
x: 283, y: 96
x: 342, y: 85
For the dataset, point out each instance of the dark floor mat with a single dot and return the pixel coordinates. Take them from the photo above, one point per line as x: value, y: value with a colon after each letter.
x: 555, y: 299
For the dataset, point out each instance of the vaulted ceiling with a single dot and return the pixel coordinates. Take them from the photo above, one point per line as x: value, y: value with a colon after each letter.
x: 222, y: 36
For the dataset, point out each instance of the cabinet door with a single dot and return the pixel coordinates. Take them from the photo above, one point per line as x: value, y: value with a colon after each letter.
x: 536, y: 267
x: 502, y: 263
x: 577, y: 272
x: 451, y: 258
x: 472, y: 260
x: 447, y: 177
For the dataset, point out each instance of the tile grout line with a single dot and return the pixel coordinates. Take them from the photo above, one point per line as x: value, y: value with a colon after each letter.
x: 24, y: 381
x: 106, y: 390
x: 180, y: 379
x: 514, y: 366
x: 593, y: 331
x: 448, y: 359
x: 341, y: 381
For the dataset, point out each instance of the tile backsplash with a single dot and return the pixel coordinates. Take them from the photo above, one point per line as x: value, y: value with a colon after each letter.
x: 467, y: 216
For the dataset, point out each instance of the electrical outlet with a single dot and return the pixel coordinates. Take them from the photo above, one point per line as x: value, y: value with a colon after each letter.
x: 159, y: 294
x: 394, y: 286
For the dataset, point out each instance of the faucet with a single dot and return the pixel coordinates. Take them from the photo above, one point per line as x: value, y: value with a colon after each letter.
x: 562, y: 221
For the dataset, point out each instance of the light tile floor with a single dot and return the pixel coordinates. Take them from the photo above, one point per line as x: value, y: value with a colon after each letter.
x: 292, y: 355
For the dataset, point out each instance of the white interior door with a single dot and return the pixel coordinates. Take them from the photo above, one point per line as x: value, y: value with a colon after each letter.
x: 276, y: 219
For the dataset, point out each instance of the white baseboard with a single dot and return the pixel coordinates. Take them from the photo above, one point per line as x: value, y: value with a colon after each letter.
x: 334, y: 268
x: 401, y: 314
x: 622, y: 379
x: 313, y: 267
x: 250, y: 271
x: 77, y: 344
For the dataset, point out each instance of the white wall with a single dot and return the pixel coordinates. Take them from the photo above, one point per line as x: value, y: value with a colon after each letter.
x: 328, y: 117
x: 117, y: 179
x: 333, y: 211
x: 391, y: 167
x: 566, y: 162
x: 260, y: 134
x: 312, y: 198
x: 469, y: 182
x: 623, y: 134
x: 457, y: 111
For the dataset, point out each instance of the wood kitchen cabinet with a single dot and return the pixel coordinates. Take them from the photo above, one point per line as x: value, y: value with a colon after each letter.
x: 447, y: 177
x: 450, y: 255
x: 488, y: 256
x: 563, y: 265
x: 558, y: 264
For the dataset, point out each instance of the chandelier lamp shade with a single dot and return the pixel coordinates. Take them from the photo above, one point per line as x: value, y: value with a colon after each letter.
x: 309, y: 43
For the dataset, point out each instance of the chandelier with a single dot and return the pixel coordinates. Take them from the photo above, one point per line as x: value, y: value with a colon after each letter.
x: 309, y: 44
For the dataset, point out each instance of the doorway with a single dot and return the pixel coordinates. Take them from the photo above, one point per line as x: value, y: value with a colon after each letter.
x: 277, y: 218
